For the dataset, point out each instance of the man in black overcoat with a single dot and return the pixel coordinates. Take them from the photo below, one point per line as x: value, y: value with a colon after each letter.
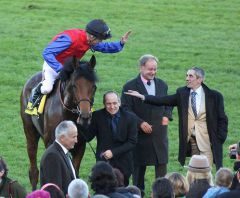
x: 116, y: 133
x: 208, y: 127
x: 152, y: 121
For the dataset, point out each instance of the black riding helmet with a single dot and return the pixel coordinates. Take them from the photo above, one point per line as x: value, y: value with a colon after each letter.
x: 99, y: 29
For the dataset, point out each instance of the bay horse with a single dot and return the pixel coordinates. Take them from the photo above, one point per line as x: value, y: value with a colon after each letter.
x: 71, y: 99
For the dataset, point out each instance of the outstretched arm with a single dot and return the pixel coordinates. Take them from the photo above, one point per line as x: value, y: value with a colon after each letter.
x: 135, y: 93
x: 169, y: 100
x: 112, y: 47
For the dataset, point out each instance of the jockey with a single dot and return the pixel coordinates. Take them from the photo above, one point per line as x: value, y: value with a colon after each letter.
x: 73, y: 42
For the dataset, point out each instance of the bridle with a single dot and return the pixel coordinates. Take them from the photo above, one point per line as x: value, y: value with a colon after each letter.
x: 83, y: 100
x: 76, y: 110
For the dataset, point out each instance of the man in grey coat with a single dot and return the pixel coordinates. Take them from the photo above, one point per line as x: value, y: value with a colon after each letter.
x: 152, y: 145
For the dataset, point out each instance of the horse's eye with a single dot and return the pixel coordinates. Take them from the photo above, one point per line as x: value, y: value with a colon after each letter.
x: 74, y: 86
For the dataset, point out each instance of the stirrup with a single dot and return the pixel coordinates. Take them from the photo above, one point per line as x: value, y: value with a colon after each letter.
x: 29, y: 105
x: 32, y: 111
x: 36, y: 110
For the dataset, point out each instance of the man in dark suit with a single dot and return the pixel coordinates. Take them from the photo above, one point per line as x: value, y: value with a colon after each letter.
x: 152, y: 145
x: 56, y: 166
x: 116, y: 133
x: 203, y: 123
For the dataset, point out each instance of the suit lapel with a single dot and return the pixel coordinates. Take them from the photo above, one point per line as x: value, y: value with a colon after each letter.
x: 120, y: 122
x: 209, y: 102
x: 107, y: 121
x: 158, y: 87
x: 65, y: 158
x: 140, y: 86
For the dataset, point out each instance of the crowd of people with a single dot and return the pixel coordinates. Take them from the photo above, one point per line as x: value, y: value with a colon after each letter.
x: 105, y: 181
x: 131, y: 132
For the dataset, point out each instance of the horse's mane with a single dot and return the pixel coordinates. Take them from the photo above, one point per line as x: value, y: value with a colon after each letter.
x: 82, y: 70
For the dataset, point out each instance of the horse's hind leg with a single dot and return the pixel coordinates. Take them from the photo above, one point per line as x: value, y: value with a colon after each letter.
x: 32, y: 137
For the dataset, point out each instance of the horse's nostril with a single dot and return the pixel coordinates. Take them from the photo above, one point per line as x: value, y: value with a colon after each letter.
x: 84, y: 118
x: 85, y: 115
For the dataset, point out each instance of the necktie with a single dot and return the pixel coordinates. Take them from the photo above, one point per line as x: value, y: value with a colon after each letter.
x: 193, y: 102
x: 68, y: 154
x: 148, y: 82
x: 114, y: 125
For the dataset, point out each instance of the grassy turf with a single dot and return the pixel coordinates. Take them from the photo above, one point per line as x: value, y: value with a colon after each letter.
x: 181, y: 33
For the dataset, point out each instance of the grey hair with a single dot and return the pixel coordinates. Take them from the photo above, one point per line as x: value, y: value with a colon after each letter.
x: 199, y: 72
x: 78, y: 189
x: 143, y: 59
x: 111, y: 92
x: 63, y: 128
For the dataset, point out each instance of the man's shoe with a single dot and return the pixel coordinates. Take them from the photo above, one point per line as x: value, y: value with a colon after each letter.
x: 35, y: 97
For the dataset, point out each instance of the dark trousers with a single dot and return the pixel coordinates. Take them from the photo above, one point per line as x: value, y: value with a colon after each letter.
x: 139, y: 174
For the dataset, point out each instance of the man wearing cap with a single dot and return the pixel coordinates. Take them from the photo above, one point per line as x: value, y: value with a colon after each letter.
x: 73, y: 42
x: 203, y: 124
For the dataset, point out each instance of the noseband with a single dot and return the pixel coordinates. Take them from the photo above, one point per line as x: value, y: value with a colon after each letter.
x: 83, y: 100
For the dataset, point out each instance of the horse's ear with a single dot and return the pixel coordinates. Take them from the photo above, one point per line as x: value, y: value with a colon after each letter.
x: 75, y: 62
x: 92, y: 61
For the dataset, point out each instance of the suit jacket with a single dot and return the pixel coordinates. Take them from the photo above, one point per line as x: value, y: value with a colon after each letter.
x: 55, y: 167
x: 151, y: 149
x: 121, y: 146
x: 217, y: 121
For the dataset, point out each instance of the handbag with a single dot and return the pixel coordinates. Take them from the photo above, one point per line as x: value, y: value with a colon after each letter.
x: 10, y: 191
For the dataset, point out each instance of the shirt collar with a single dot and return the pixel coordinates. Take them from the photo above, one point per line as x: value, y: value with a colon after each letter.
x: 198, y: 90
x: 63, y: 147
x: 115, y: 115
x: 144, y: 80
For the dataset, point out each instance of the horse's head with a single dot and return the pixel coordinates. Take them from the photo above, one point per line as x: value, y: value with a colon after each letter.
x: 81, y: 87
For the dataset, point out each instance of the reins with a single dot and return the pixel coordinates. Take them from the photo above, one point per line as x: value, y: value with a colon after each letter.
x: 75, y: 111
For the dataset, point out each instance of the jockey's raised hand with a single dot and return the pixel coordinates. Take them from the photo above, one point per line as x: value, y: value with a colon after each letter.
x: 124, y: 38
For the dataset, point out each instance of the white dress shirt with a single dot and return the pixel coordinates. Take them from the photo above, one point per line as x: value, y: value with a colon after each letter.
x: 199, y: 91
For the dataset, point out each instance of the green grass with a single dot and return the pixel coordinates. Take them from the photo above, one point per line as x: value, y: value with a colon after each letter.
x: 181, y: 33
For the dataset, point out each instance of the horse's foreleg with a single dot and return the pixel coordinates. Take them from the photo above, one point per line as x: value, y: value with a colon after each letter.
x: 32, y: 146
x: 78, y: 153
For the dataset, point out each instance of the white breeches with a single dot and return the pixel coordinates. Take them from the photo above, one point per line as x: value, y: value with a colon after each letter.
x: 49, y: 77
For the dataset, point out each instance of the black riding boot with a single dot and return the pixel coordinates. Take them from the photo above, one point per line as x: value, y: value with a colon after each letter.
x: 35, y: 96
